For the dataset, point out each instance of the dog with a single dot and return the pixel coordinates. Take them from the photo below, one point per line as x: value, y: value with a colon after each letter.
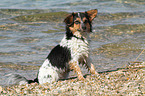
x: 72, y: 51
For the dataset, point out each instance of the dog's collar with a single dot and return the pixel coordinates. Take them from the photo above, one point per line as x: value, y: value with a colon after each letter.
x: 81, y: 38
x: 78, y: 37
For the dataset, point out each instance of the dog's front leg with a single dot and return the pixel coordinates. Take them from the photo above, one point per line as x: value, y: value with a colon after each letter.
x: 91, y: 67
x: 75, y: 66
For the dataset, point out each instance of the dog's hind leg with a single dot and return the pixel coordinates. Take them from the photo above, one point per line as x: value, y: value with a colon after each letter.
x: 47, y: 73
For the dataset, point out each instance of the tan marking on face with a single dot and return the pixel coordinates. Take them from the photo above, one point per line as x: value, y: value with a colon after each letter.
x: 75, y: 26
x: 78, y: 26
x: 84, y: 19
x: 78, y: 19
x: 75, y: 32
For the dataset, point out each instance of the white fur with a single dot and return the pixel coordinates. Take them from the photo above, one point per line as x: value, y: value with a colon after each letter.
x: 79, y: 49
x: 47, y: 70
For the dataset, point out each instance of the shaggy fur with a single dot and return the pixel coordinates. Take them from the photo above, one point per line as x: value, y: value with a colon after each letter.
x: 72, y: 51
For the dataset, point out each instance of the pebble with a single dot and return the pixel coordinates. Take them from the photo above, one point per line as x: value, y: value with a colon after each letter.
x: 129, y: 81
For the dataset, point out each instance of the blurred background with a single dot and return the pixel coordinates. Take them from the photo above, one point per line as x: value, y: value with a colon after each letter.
x: 29, y: 29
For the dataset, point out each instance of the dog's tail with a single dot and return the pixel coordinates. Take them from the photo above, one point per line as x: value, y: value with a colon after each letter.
x: 18, y: 79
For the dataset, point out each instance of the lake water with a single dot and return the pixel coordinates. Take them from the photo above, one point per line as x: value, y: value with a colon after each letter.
x: 29, y: 29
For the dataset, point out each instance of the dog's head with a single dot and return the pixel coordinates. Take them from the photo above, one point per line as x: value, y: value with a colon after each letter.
x: 80, y: 22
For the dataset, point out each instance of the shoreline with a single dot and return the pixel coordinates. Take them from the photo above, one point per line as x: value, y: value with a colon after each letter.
x: 125, y: 81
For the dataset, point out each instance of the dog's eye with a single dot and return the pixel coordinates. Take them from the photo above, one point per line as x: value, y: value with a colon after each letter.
x: 86, y: 21
x: 77, y: 22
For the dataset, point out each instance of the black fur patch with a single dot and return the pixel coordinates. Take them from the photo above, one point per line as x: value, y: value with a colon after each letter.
x: 69, y: 34
x: 59, y: 57
x: 33, y: 81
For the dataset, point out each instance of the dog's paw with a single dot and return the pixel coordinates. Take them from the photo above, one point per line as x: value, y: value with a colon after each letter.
x: 81, y: 78
x: 96, y: 73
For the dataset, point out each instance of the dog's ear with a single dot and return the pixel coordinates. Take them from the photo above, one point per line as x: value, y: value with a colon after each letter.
x: 69, y: 19
x: 92, y: 14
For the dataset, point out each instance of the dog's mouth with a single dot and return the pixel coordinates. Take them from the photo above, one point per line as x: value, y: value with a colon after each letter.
x: 81, y: 30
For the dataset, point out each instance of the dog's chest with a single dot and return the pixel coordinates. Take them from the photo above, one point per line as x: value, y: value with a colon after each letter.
x: 78, y: 47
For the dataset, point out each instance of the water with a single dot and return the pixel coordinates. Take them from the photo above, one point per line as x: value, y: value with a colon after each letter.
x: 29, y: 29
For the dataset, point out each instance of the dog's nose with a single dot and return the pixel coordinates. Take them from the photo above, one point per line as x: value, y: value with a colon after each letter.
x: 83, y: 27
